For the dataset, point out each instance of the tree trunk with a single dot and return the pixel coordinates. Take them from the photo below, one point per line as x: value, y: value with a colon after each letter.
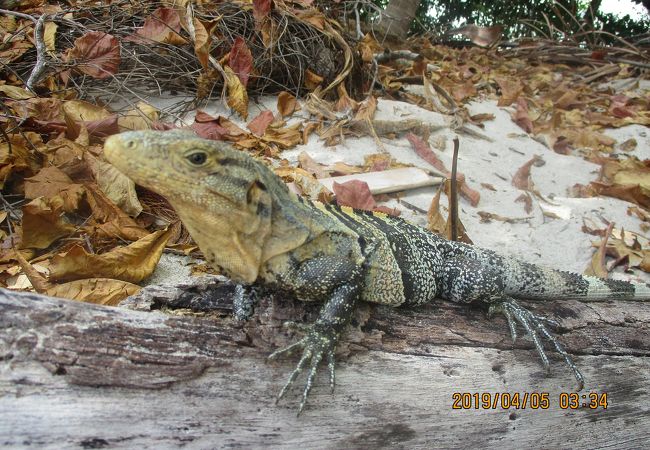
x: 396, y: 19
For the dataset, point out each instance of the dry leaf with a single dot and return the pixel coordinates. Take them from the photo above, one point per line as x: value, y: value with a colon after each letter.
x: 95, y: 290
x: 132, y: 263
x: 96, y: 54
x: 51, y: 182
x: 435, y: 222
x: 261, y: 9
x: 354, y: 193
x: 237, y: 98
x: 118, y: 187
x: 287, y: 104
x: 49, y: 36
x: 163, y: 26
x: 108, y: 220
x: 597, y: 267
x: 424, y: 151
x: 15, y: 92
x: 241, y: 60
x: 259, y: 124
x: 139, y: 118
x: 43, y: 223
x: 521, y: 179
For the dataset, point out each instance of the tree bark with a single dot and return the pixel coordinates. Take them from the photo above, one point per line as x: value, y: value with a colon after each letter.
x: 396, y: 19
x: 76, y: 375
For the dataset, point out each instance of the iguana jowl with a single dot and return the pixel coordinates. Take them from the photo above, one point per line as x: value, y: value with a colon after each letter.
x: 252, y: 228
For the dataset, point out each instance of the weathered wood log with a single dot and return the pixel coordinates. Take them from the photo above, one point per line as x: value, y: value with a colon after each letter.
x: 78, y: 375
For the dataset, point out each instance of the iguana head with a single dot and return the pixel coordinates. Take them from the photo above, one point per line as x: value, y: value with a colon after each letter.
x: 219, y: 192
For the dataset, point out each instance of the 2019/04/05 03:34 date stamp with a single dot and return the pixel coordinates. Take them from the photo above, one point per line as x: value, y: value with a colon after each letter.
x: 531, y: 400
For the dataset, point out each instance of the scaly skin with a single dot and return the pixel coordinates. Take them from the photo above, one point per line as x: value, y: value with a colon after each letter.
x: 253, y: 229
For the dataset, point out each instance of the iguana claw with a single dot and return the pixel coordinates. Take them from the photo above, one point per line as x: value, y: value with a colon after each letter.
x: 316, y: 346
x: 535, y: 325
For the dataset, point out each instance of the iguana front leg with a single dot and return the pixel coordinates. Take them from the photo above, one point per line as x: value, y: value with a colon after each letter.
x: 322, y: 337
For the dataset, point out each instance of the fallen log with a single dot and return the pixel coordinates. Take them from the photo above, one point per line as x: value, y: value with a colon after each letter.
x: 78, y: 375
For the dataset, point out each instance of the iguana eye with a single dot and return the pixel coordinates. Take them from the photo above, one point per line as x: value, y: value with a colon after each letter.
x: 197, y: 158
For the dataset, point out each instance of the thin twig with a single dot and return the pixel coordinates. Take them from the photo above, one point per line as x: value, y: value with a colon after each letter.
x: 453, y: 194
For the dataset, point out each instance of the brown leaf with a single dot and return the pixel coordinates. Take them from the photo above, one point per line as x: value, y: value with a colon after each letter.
x: 287, y: 104
x: 15, y: 92
x: 481, y: 36
x: 527, y: 200
x: 202, y: 40
x: 435, y: 222
x: 51, y: 182
x: 259, y: 124
x: 139, y: 118
x: 521, y: 178
x: 118, y: 187
x: 237, y: 97
x: 95, y: 290
x: 354, y: 193
x: 511, y: 89
x: 307, y: 162
x: 312, y: 80
x: 261, y: 9
x: 597, y: 266
x: 241, y: 60
x: 216, y: 128
x: 633, y: 193
x: 43, y: 223
x: 521, y: 116
x: 108, y: 220
x: 96, y: 54
x: 49, y: 36
x: 424, y: 151
x: 163, y: 25
x: 132, y: 263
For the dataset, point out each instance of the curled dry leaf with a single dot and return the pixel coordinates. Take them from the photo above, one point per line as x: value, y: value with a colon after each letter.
x: 287, y: 104
x: 435, y: 221
x: 109, y: 221
x: 202, y: 40
x: 237, y: 98
x: 132, y: 263
x: 43, y: 222
x: 521, y: 179
x: 307, y: 162
x: 424, y: 151
x: 96, y: 54
x: 118, y: 187
x: 597, y: 266
x: 49, y: 36
x: 521, y: 116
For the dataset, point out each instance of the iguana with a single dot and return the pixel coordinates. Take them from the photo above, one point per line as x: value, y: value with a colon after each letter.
x: 252, y: 228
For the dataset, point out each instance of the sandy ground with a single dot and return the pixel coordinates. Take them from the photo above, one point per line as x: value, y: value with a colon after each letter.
x: 555, y: 242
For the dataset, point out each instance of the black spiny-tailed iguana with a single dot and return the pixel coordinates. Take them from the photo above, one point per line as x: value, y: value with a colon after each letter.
x: 252, y: 228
